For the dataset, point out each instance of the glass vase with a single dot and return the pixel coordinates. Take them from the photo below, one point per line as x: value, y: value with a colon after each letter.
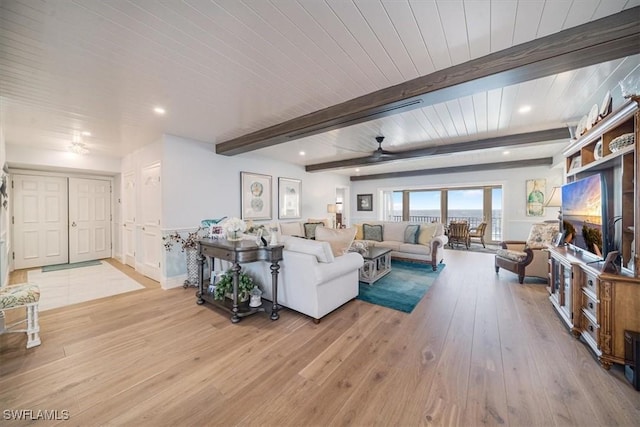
x: 234, y: 236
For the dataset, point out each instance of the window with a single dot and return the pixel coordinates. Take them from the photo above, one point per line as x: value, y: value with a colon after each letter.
x: 424, y: 206
x: 473, y: 204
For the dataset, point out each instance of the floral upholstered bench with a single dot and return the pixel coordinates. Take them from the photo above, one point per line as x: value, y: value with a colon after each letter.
x: 18, y: 296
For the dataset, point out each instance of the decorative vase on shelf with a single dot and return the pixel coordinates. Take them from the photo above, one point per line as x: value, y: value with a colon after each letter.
x: 256, y: 297
x: 234, y: 229
x: 274, y: 239
x: 234, y: 236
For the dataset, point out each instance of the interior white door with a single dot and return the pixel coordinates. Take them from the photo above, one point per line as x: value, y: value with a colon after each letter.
x: 40, y: 221
x: 89, y: 219
x: 150, y: 209
x: 129, y: 220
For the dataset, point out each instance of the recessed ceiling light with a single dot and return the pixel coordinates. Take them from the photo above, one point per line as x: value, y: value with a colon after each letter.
x: 357, y: 170
x: 159, y: 110
x: 86, y: 133
x: 506, y: 152
x: 302, y: 153
x: 524, y: 109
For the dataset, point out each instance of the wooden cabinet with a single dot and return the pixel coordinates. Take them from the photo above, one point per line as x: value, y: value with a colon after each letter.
x: 597, y: 306
x: 619, y: 168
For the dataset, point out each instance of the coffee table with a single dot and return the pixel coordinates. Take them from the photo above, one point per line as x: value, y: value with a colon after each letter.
x: 377, y: 263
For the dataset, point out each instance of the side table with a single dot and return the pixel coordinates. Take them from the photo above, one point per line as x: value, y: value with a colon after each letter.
x: 236, y: 253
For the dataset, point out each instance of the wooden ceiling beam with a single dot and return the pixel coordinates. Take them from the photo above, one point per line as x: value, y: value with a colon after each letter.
x: 613, y: 37
x: 470, y: 145
x: 544, y: 161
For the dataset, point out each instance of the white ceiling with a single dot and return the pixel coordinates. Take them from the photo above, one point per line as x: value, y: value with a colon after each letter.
x: 225, y: 68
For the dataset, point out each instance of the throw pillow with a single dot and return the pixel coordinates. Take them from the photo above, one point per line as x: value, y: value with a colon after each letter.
x: 411, y: 233
x: 321, y: 250
x: 426, y: 233
x: 542, y: 234
x: 339, y: 239
x: 310, y: 229
x: 359, y: 235
x: 372, y: 232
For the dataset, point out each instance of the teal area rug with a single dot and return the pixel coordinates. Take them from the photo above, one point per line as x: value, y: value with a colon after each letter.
x: 68, y: 266
x: 403, y: 288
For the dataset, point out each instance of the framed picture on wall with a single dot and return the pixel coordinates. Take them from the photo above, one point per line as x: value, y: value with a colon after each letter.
x: 364, y: 202
x: 256, y: 196
x: 289, y: 198
x: 535, y: 197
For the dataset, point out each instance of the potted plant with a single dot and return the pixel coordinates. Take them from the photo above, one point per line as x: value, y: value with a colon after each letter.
x: 224, y: 286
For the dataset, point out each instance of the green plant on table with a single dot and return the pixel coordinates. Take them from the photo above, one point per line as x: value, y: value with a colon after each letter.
x: 224, y: 286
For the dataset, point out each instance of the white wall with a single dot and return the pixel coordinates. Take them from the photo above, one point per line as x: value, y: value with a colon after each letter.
x: 516, y: 224
x: 199, y: 184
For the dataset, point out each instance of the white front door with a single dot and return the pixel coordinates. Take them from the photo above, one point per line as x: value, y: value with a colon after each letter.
x: 150, y: 207
x: 129, y: 220
x: 89, y: 219
x: 40, y: 221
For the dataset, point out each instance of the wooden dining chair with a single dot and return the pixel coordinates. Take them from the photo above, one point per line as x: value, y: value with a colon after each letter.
x: 459, y: 234
x: 478, y: 233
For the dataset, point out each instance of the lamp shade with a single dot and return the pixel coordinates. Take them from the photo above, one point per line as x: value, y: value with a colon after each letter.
x: 555, y: 200
x: 331, y: 208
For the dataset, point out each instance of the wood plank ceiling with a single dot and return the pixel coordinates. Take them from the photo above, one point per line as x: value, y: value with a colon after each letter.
x: 226, y: 68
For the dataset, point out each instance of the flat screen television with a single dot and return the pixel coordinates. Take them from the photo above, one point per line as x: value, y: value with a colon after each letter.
x: 584, y: 213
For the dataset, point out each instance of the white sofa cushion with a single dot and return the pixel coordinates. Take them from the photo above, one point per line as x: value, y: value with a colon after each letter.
x: 389, y: 244
x: 414, y: 249
x: 394, y: 231
x: 339, y: 239
x: 321, y: 250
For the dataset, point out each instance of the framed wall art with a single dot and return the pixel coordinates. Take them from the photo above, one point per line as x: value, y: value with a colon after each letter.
x: 535, y: 197
x: 364, y: 202
x: 256, y: 196
x: 289, y: 198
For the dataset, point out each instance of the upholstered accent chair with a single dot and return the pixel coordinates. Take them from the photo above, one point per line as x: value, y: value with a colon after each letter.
x: 478, y: 233
x: 16, y: 297
x: 528, y: 258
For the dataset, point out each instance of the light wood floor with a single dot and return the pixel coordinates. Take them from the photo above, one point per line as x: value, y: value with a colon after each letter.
x: 479, y: 349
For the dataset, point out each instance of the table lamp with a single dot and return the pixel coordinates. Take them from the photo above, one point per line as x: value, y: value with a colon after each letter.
x: 332, y: 209
x: 555, y: 201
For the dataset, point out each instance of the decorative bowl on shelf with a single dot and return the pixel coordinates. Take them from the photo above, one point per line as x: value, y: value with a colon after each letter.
x: 620, y: 142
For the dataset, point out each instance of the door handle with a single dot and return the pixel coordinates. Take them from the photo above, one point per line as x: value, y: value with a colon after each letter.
x: 73, y: 224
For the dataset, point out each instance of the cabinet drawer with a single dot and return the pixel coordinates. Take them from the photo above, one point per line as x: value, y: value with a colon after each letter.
x: 589, y: 304
x: 591, y: 283
x: 592, y: 329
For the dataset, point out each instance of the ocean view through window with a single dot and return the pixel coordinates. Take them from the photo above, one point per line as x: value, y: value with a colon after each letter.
x: 473, y: 205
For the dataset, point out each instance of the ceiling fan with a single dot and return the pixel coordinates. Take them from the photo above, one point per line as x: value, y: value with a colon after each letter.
x: 380, y: 152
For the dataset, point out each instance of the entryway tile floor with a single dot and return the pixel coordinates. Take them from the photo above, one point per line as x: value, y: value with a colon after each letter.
x: 65, y: 287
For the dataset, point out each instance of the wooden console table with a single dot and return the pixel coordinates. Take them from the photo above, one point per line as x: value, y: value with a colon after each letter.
x: 238, y: 252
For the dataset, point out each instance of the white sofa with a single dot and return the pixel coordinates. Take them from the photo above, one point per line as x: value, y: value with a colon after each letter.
x: 312, y: 280
x: 430, y: 247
